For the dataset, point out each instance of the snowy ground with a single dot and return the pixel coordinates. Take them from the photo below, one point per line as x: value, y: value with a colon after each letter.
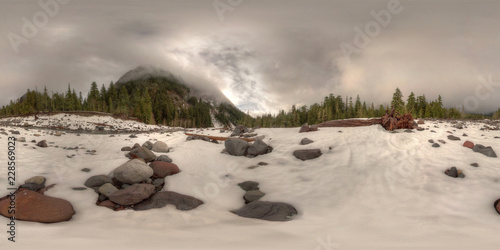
x: 373, y: 190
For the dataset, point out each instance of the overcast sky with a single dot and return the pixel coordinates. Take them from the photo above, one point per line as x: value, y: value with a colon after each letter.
x: 264, y: 55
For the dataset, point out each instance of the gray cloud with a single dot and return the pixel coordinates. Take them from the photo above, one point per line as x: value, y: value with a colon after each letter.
x: 265, y: 55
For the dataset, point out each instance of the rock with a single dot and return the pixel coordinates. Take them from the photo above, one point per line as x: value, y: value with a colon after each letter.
x: 304, y: 129
x: 238, y: 130
x: 21, y: 139
x: 307, y: 154
x: 253, y: 195
x: 408, y: 131
x: 15, y: 133
x: 306, y: 141
x: 420, y: 129
x: 160, y: 147
x: 161, y: 199
x: 148, y: 145
x: 265, y: 210
x: 258, y: 148
x: 420, y: 122
x: 163, y: 169
x: 97, y: 181
x: 133, y: 194
x: 436, y: 145
x: 474, y: 165
x: 453, y: 172
x: 58, y: 133
x: 107, y: 203
x: 453, y: 138
x: 158, y: 182
x: 137, y: 145
x: 126, y: 149
x: 32, y: 186
x: 40, y: 180
x: 468, y: 144
x: 464, y: 134
x: 442, y: 141
x: 133, y: 136
x: 32, y: 206
x: 133, y: 171
x: 42, y: 144
x: 431, y: 141
x: 79, y: 188
x: 488, y: 151
x: 144, y: 153
x: 107, y: 189
x: 236, y: 147
x: 249, y: 185
x: 262, y: 163
x: 163, y: 158
x: 497, y: 206
x: 86, y: 170
x: 313, y: 128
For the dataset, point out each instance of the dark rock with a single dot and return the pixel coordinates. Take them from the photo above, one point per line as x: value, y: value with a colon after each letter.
x: 474, y: 165
x: 161, y: 199
x: 262, y: 163
x: 453, y: 172
x: 453, y: 138
x: 436, y: 145
x: 148, y: 145
x: 132, y: 194
x: 408, y: 131
x: 126, y: 149
x: 307, y: 154
x: 464, y: 134
x: 15, y: 133
x: 304, y: 129
x: 238, y: 130
x: 86, y: 170
x: 42, y: 144
x: 33, y: 206
x: 442, y: 141
x: 497, y: 206
x: 133, y: 136
x: 236, y: 147
x: 32, y: 186
x: 97, y: 181
x: 258, y: 148
x: 265, y: 210
x: 313, y: 128
x: 488, y: 151
x: 253, y: 195
x: 431, y: 141
x: 249, y: 185
x: 306, y: 141
x: 79, y: 188
x: 421, y: 129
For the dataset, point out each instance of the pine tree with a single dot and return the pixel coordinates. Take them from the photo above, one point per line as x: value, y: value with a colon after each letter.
x: 397, y: 101
x: 411, y: 104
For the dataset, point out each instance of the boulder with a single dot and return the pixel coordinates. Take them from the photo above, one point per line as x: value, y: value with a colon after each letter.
x: 148, y: 145
x: 253, y: 195
x: 238, y: 130
x: 249, y: 185
x: 97, y: 181
x: 133, y: 171
x: 453, y: 172
x: 306, y: 141
x: 258, y: 148
x: 160, y: 147
x: 436, y: 145
x: 307, y: 154
x: 453, y: 138
x: 163, y: 169
x: 236, y: 147
x: 497, y: 206
x: 126, y: 149
x: 107, y: 203
x: 488, y: 151
x: 37, y: 180
x: 21, y: 139
x: 265, y: 210
x: 313, y: 128
x: 161, y: 199
x: 132, y: 194
x: 468, y: 144
x: 32, y: 206
x: 163, y: 158
x: 304, y: 129
x: 144, y: 153
x: 32, y: 186
x: 42, y: 144
x: 107, y: 189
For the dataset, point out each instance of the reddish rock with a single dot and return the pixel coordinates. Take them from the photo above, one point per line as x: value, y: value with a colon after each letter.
x: 497, y: 205
x: 32, y: 206
x: 313, y: 128
x: 468, y: 144
x: 107, y: 203
x: 163, y: 169
x: 133, y: 194
x: 421, y: 122
x: 304, y: 128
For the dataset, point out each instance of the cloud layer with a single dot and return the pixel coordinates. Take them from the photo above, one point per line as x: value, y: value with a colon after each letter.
x: 264, y: 55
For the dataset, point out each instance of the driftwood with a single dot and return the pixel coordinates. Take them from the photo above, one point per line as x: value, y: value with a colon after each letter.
x: 220, y: 138
x: 390, y: 121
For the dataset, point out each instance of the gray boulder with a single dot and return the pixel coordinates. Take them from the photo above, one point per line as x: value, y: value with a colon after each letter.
x: 148, y: 145
x: 265, y: 210
x: 258, y: 148
x: 488, y: 151
x: 160, y: 147
x: 132, y: 194
x: 238, y: 130
x: 144, y: 153
x: 306, y: 141
x: 37, y: 180
x: 107, y: 189
x: 236, y: 147
x: 133, y: 171
x: 453, y: 138
x: 249, y: 185
x: 253, y: 195
x: 97, y: 181
x: 304, y: 128
x: 161, y: 199
x: 436, y: 145
x: 164, y: 158
x: 307, y: 154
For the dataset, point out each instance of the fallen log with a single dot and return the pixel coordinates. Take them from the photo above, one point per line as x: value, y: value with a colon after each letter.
x: 220, y: 138
x: 390, y: 121
x: 351, y: 123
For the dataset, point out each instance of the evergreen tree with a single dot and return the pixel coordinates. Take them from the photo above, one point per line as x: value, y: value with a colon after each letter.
x: 411, y: 104
x: 397, y: 101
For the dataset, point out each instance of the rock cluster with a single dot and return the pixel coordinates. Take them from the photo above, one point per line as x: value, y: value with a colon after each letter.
x: 239, y: 147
